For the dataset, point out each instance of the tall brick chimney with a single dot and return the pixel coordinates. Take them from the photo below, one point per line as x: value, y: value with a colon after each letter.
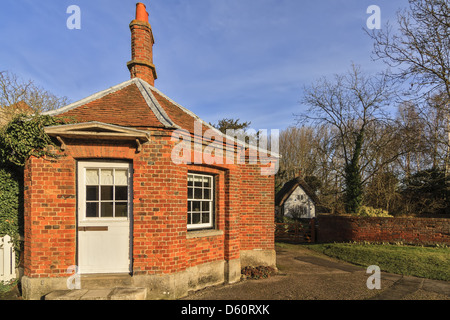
x: 141, y: 64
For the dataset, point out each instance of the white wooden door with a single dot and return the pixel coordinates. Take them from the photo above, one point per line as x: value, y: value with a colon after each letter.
x: 104, y: 217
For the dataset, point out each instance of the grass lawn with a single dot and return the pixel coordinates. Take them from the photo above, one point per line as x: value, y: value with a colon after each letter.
x: 424, y: 262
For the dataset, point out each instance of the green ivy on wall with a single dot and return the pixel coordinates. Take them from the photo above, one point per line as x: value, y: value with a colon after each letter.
x: 21, y: 138
x: 11, y: 203
x: 24, y: 136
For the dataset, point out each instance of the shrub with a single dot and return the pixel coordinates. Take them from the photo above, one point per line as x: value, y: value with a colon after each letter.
x: 372, y: 212
x: 10, y: 203
x: 21, y: 138
x: 260, y: 272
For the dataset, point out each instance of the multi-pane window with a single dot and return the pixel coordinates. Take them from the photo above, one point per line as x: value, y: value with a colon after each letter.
x: 200, y: 201
x: 107, y: 193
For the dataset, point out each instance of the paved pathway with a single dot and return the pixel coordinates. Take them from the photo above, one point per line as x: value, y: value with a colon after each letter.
x: 305, y: 275
x: 99, y: 294
x: 416, y: 288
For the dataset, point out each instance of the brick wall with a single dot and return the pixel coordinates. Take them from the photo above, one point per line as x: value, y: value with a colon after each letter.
x: 243, y: 203
x: 257, y: 209
x: 159, y: 209
x: 406, y: 230
x: 50, y: 201
x: 211, y: 248
x: 204, y: 250
x: 50, y: 206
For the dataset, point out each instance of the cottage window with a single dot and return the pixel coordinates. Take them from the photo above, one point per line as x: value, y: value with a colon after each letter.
x: 200, y: 213
x: 107, y: 192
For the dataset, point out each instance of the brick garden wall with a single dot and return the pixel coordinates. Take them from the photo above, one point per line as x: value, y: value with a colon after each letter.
x: 406, y: 230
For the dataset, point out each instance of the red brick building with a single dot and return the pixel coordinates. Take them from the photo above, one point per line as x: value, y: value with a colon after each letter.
x: 118, y: 201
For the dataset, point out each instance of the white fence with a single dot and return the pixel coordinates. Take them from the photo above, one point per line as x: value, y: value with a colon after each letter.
x: 7, y: 259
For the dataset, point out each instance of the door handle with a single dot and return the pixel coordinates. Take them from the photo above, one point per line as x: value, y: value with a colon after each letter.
x: 92, y: 229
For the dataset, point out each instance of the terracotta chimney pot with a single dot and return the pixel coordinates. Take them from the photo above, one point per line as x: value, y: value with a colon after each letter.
x: 141, y: 12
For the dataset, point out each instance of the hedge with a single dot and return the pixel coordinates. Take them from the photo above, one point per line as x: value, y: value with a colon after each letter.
x: 21, y: 138
x: 11, y: 204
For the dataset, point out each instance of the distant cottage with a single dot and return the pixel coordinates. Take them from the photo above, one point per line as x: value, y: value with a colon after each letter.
x: 296, y: 200
x: 118, y: 209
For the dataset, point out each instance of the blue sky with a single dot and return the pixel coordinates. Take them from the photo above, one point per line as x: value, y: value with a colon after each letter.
x: 246, y: 59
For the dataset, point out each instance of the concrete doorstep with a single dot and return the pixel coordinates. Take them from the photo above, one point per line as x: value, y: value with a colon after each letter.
x: 99, y: 294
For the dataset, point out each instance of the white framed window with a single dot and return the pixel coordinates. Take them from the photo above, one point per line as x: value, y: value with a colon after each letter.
x: 200, y: 211
x: 105, y: 191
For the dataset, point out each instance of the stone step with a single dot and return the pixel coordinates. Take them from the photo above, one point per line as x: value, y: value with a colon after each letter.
x: 117, y: 293
x: 105, y: 281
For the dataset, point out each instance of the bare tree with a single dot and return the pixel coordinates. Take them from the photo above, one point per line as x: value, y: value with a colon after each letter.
x: 297, y: 154
x: 419, y: 52
x: 354, y: 104
x: 311, y: 153
x: 328, y: 167
x: 19, y: 96
x: 411, y: 130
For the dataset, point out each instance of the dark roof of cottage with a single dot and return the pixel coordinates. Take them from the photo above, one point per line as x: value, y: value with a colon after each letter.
x: 289, y: 187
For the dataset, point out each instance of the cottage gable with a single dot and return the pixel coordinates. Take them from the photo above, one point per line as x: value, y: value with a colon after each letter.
x: 134, y: 104
x: 290, y: 186
x: 95, y: 128
x: 296, y: 199
x: 116, y: 104
x: 98, y: 131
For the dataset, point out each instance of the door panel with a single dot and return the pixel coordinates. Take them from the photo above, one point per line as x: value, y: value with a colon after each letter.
x: 104, y: 215
x: 104, y: 251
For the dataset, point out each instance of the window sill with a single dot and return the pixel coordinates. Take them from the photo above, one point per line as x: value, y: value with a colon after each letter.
x: 203, y: 233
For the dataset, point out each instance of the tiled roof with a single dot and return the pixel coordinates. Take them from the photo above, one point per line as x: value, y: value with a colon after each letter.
x: 133, y: 103
x: 290, y: 187
x: 136, y: 104
x: 127, y: 104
